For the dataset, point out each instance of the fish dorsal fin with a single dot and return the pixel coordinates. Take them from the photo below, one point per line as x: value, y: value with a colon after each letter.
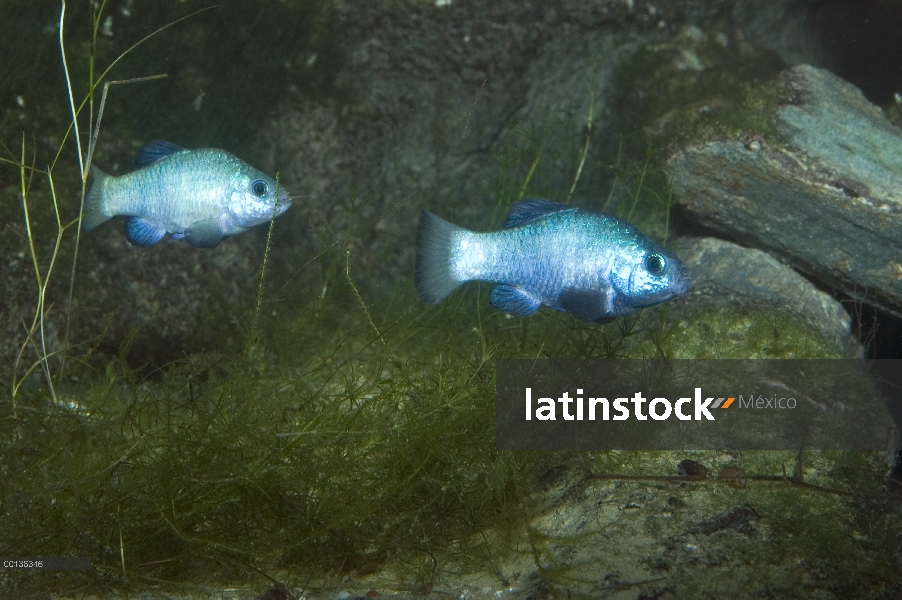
x: 528, y: 211
x: 154, y: 151
x: 585, y: 305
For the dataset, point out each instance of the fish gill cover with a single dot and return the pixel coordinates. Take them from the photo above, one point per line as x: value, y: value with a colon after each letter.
x: 285, y: 406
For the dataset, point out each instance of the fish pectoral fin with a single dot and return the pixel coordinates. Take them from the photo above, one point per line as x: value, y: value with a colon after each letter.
x: 154, y: 151
x: 586, y: 305
x: 528, y: 211
x: 513, y: 300
x: 141, y: 233
x: 206, y: 233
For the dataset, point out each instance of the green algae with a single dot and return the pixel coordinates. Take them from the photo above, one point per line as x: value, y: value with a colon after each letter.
x: 744, y: 331
x: 699, y: 85
x: 349, y: 464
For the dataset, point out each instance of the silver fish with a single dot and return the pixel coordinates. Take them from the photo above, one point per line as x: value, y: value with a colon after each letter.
x: 590, y: 264
x: 200, y: 195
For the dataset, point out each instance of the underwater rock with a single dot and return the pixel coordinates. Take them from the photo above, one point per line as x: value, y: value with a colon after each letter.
x: 723, y: 272
x: 734, y: 476
x: 742, y: 518
x: 605, y: 537
x: 692, y: 468
x: 277, y: 592
x: 817, y: 185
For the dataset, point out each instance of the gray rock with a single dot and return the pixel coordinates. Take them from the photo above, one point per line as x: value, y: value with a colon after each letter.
x: 726, y: 272
x: 820, y: 189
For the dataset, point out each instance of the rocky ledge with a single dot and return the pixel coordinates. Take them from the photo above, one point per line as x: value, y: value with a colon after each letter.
x: 819, y: 185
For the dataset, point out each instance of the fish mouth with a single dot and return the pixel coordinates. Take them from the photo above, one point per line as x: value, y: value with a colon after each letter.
x: 683, y: 286
x: 658, y: 301
x: 282, y: 204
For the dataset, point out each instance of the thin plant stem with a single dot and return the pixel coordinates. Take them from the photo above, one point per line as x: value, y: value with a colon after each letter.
x: 113, y: 64
x: 37, y: 271
x: 252, y: 342
x: 582, y: 161
x: 639, y: 188
x: 616, y: 170
x: 81, y: 164
x: 366, y: 310
x: 92, y: 143
x: 84, y: 160
x: 532, y: 169
x: 96, y: 13
x: 42, y: 279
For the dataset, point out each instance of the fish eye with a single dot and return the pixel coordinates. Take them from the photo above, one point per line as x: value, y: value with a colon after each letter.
x: 259, y: 187
x: 655, y: 263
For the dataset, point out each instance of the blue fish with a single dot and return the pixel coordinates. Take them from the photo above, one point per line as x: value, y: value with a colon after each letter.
x: 590, y: 264
x: 199, y: 195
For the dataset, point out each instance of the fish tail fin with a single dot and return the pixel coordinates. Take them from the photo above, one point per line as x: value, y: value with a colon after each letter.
x: 434, y: 276
x: 94, y: 213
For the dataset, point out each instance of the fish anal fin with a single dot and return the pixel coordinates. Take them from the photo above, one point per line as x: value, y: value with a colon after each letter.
x: 206, y: 233
x: 154, y: 151
x: 141, y: 233
x: 527, y: 211
x: 513, y: 300
x: 586, y: 305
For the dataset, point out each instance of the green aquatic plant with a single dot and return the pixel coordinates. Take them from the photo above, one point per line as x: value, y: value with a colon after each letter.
x: 35, y: 333
x: 35, y: 336
x: 354, y: 461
